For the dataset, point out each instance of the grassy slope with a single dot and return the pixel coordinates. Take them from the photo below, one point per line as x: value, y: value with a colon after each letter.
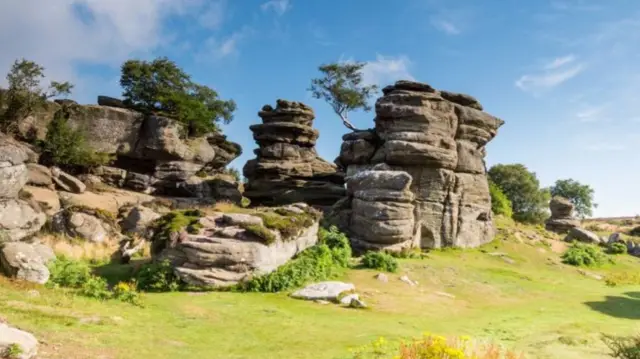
x: 536, y: 305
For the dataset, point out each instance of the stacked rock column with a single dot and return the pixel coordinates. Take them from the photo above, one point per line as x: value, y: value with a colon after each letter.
x: 287, y: 168
x: 561, y: 220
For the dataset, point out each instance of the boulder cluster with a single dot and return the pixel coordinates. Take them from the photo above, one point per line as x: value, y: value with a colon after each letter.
x: 287, y: 168
x: 438, y: 138
x: 561, y: 220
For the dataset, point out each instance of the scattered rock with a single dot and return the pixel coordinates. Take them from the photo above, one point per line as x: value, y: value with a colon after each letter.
x: 382, y: 277
x: 11, y: 336
x: 406, y: 279
x: 582, y: 235
x: 357, y: 303
x: 323, y: 291
x: 67, y: 182
x: 26, y: 261
x: 84, y: 223
x: 39, y: 175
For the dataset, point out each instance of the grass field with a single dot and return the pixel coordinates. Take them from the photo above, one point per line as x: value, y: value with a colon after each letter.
x: 513, y: 291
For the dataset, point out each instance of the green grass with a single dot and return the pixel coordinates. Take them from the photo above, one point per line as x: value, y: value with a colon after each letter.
x: 533, y: 304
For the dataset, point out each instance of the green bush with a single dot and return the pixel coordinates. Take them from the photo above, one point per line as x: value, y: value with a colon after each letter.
x: 623, y: 347
x: 68, y: 273
x: 380, y: 261
x: 127, y: 292
x: 157, y: 277
x: 500, y: 203
x: 95, y: 287
x: 617, y: 248
x: 580, y: 254
x: 173, y: 222
x: 635, y: 231
x: 321, y: 262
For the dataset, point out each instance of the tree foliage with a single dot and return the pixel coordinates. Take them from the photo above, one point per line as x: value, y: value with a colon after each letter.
x: 342, y: 87
x: 500, y: 203
x: 25, y: 94
x: 579, y: 194
x: 528, y: 201
x: 161, y: 86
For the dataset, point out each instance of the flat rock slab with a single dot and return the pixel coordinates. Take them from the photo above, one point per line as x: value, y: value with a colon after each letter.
x: 10, y: 336
x: 323, y: 291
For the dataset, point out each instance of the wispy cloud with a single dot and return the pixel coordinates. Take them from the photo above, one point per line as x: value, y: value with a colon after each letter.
x: 445, y: 26
x: 212, y: 16
x: 385, y: 70
x: 592, y: 114
x: 320, y: 36
x: 218, y: 48
x: 280, y: 7
x: 552, y: 74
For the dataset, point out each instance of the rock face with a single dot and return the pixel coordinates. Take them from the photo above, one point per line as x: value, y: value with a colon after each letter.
x: 26, y: 261
x: 287, y: 168
x: 382, y: 210
x: 225, y: 252
x: 79, y: 222
x: 10, y: 336
x: 13, y: 171
x: 584, y: 236
x: 561, y: 220
x: 153, y: 153
x: 439, y: 139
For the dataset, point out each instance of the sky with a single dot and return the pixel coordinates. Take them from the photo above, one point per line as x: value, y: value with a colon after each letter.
x: 564, y: 75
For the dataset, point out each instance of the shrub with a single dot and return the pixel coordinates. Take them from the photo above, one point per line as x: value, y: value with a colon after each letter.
x: 68, y: 273
x: 95, y: 287
x: 321, y: 262
x: 431, y: 347
x: 623, y: 347
x: 380, y: 261
x: 617, y: 248
x: 161, y: 86
x: 622, y: 278
x: 127, y: 292
x: 580, y: 254
x: 528, y: 201
x: 158, y: 277
x: 500, y: 203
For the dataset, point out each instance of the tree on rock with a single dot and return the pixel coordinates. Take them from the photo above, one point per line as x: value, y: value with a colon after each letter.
x: 342, y: 87
x: 580, y: 195
x: 522, y: 188
x: 161, y: 86
x: 25, y: 94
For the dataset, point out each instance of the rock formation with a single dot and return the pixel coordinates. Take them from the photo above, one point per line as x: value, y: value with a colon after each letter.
x: 220, y: 250
x: 561, y: 220
x: 152, y: 153
x: 439, y: 139
x: 287, y: 168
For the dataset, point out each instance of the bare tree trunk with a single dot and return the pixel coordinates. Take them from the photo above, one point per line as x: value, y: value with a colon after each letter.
x: 348, y: 124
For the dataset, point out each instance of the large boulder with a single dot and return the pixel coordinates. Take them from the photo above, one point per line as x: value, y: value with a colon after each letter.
x: 561, y: 220
x: 67, y: 182
x: 26, y: 261
x: 111, y: 201
x: 11, y: 337
x: 137, y: 220
x: 584, y: 236
x: 438, y: 138
x: 13, y: 172
x: 39, y: 175
x: 287, y: 168
x: 19, y: 220
x: 84, y: 223
x: 223, y: 250
x: 47, y: 199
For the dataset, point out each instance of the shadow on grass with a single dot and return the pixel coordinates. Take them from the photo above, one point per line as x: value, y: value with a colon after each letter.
x: 114, y: 272
x: 619, y: 307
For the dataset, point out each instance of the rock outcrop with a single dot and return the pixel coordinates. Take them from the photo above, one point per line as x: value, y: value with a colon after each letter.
x: 15, y: 338
x: 439, y: 139
x: 221, y: 250
x: 26, y: 261
x: 561, y: 220
x: 584, y: 236
x: 287, y: 168
x: 152, y: 153
x: 382, y: 210
x: 81, y: 222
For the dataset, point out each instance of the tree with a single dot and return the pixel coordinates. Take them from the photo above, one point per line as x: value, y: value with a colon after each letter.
x: 522, y: 188
x: 24, y: 94
x: 580, y: 195
x: 500, y: 204
x: 342, y: 87
x: 161, y: 86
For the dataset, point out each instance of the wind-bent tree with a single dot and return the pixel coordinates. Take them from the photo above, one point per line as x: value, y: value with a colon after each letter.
x: 528, y: 201
x: 580, y: 195
x: 161, y: 86
x: 25, y: 94
x: 342, y: 87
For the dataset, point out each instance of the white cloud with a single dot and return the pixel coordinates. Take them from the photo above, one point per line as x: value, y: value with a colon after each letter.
x: 592, y: 114
x: 385, y: 70
x: 215, y: 48
x: 280, y: 7
x: 559, y: 62
x: 445, y: 26
x: 213, y: 15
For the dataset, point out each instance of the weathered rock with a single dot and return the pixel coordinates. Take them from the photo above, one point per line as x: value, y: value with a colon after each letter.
x: 287, y: 168
x: 107, y: 201
x: 13, y: 172
x: 67, y: 182
x: 323, y: 291
x: 19, y: 220
x: 85, y: 224
x: 438, y: 138
x: 26, y: 261
x: 561, y: 220
x: 112, y: 176
x: 110, y: 102
x: 224, y: 253
x: 48, y: 199
x: 220, y: 189
x: 582, y: 235
x: 39, y: 175
x: 137, y: 220
x: 10, y: 336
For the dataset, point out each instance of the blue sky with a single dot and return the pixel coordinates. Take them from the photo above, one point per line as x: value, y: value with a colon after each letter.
x: 564, y: 75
